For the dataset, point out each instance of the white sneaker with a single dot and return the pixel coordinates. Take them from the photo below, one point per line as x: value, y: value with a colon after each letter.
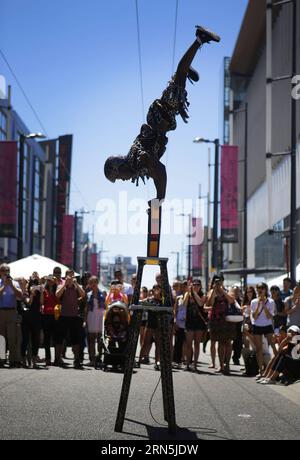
x: 269, y: 382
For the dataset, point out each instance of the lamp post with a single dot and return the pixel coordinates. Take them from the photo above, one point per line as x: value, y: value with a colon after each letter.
x: 245, y: 211
x: 293, y: 224
x: 215, y: 258
x: 177, y: 262
x: 82, y: 212
x: 190, y: 216
x: 23, y: 137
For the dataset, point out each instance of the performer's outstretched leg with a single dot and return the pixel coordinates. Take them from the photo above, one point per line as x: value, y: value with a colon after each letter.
x: 185, y: 63
x: 183, y: 68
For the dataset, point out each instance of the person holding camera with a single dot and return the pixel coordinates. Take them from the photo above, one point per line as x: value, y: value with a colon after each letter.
x: 69, y: 321
x: 221, y: 331
x: 49, y: 301
x: 32, y: 320
x: 262, y: 314
x: 195, y: 325
x: 10, y: 292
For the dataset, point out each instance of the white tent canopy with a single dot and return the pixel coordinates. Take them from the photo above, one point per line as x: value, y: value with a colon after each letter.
x: 279, y: 280
x: 24, y: 268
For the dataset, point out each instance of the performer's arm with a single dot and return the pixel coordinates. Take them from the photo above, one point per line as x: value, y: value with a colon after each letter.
x: 159, y: 175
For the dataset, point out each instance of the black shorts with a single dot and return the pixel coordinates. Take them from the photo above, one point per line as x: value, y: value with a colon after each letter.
x: 260, y: 330
x: 197, y: 325
x: 73, y: 326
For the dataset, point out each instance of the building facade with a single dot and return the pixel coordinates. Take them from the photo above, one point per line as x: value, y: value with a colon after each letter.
x: 45, y: 191
x: 248, y: 69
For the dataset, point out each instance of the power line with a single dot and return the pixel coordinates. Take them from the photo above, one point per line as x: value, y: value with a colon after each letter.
x: 175, y: 35
x: 23, y: 92
x: 140, y: 58
x: 173, y: 57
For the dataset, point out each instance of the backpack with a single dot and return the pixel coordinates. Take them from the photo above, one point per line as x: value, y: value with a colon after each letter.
x: 251, y: 364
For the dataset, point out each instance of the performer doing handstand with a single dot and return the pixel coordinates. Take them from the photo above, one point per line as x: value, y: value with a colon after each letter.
x: 143, y: 159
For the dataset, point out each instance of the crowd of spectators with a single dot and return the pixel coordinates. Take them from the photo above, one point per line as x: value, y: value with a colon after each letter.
x: 261, y: 326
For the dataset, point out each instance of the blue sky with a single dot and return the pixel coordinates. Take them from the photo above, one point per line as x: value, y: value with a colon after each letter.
x: 78, y: 63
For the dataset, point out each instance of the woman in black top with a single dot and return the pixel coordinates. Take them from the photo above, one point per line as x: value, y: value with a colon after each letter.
x: 32, y: 321
x: 280, y: 317
x: 195, y: 325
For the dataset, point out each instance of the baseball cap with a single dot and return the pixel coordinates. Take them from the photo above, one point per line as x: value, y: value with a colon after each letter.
x: 295, y: 329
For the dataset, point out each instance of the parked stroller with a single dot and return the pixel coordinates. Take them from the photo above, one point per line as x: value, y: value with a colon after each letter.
x: 115, y: 336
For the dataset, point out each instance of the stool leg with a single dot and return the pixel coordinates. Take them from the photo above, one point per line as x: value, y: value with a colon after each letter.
x: 129, y: 365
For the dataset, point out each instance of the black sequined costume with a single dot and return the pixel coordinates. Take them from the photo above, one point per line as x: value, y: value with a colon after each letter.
x: 152, y: 139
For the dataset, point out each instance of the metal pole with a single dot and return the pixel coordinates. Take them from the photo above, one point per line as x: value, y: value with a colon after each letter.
x: 215, y: 261
x: 75, y: 241
x: 245, y: 249
x: 182, y: 258
x: 209, y: 210
x: 293, y: 245
x: 47, y: 172
x: 208, y: 242
x: 189, y: 246
x: 269, y: 101
x: 8, y: 138
x: 177, y: 268
x: 287, y: 255
x: 20, y: 198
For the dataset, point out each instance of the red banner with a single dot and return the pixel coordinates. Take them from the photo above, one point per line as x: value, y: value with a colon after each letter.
x: 8, y: 188
x: 197, y: 246
x: 94, y: 264
x: 229, y: 194
x: 63, y: 189
x: 67, y: 241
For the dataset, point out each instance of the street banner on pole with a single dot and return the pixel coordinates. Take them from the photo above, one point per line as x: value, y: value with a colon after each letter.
x: 8, y: 189
x: 229, y: 194
x: 63, y: 189
x: 67, y: 241
x: 197, y: 246
x: 94, y: 264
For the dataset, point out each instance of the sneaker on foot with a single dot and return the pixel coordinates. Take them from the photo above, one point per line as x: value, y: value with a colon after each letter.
x: 269, y: 382
x: 206, y: 35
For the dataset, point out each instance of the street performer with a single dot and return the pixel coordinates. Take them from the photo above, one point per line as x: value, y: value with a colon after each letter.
x: 143, y: 159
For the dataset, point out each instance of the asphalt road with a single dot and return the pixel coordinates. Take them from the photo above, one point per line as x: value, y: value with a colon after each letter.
x: 82, y: 404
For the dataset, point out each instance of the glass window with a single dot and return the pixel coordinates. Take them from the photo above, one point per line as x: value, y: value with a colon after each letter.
x: 269, y: 251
